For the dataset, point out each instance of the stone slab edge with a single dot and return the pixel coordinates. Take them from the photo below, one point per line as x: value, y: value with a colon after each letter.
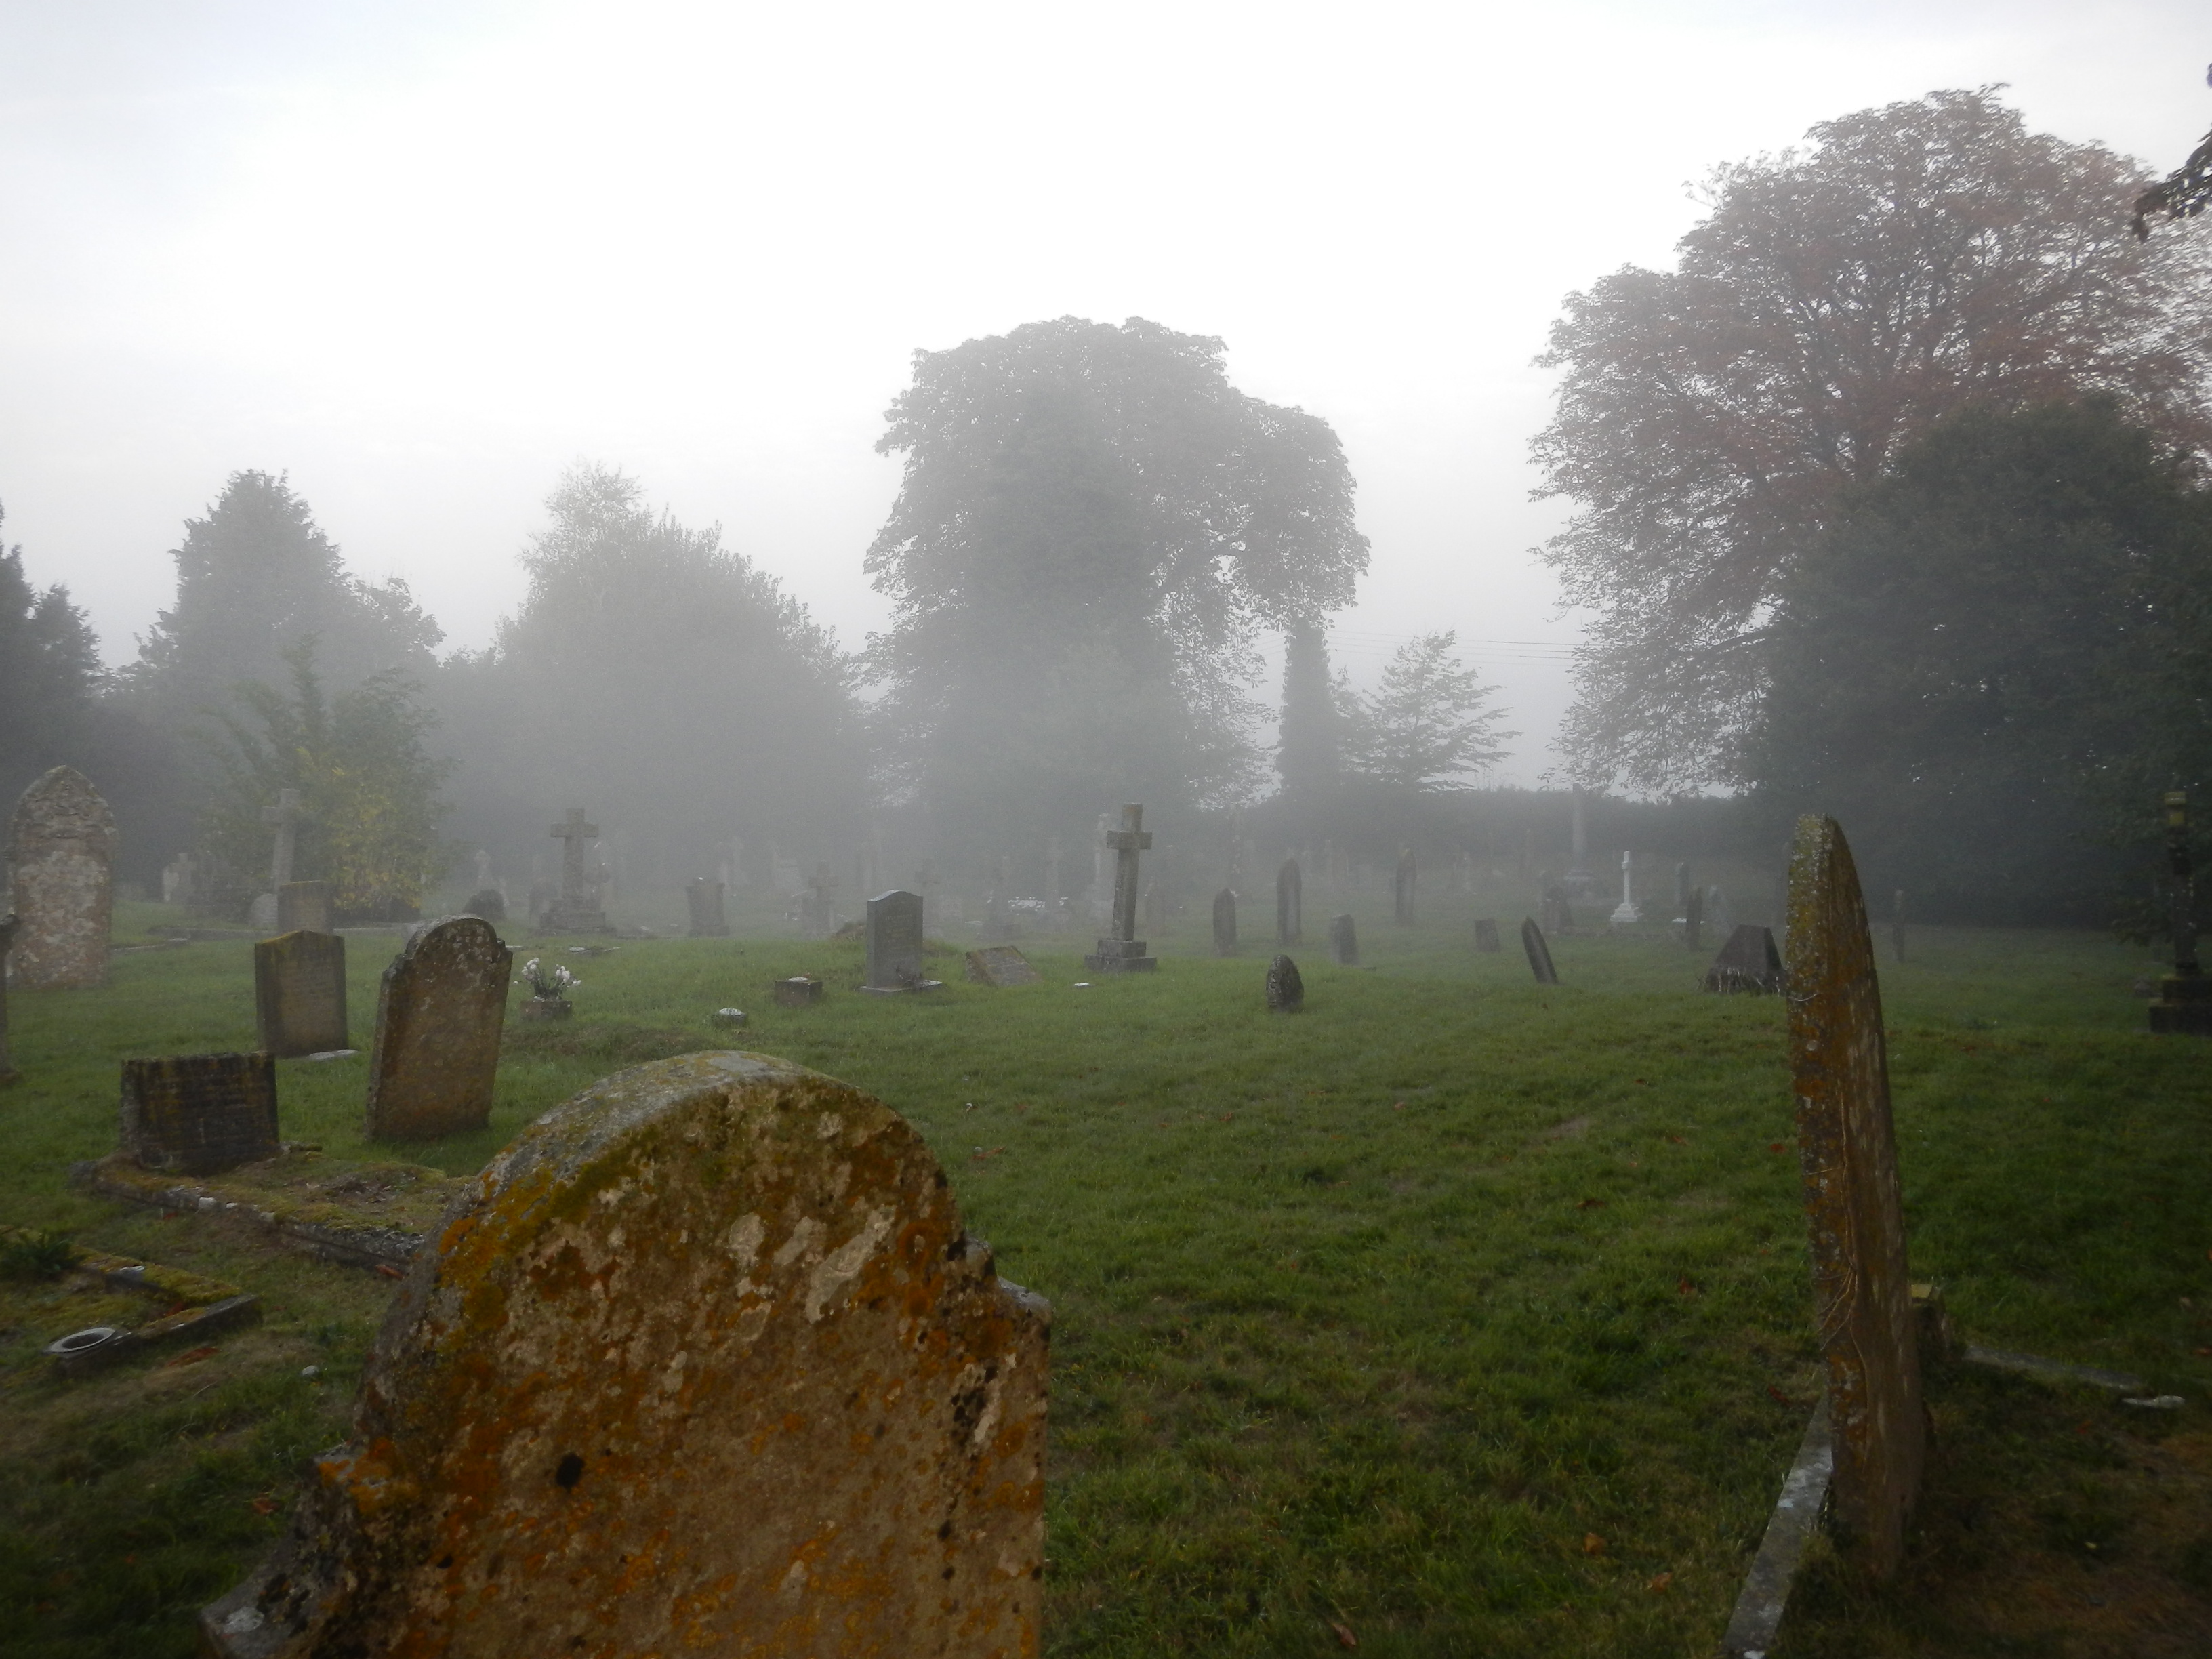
x: 362, y: 1247
x: 2056, y: 1370
x: 1766, y: 1587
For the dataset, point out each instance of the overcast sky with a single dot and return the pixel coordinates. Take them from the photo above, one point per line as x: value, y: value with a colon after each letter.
x: 421, y: 256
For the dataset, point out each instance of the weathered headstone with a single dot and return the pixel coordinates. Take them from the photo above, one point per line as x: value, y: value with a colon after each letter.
x: 1122, y: 951
x: 1846, y: 1139
x: 1290, y: 902
x: 704, y: 898
x: 62, y: 846
x: 440, y: 1012
x: 1286, y: 991
x: 1486, y: 936
x: 705, y: 1362
x: 1401, y: 888
x: 488, y: 903
x: 1748, y: 961
x: 1225, y: 923
x: 199, y: 1114
x: 1002, y: 965
x: 799, y: 991
x: 894, y: 942
x: 304, y: 907
x: 300, y: 993
x: 1343, y: 942
x: 1539, y: 952
x: 577, y: 910
x: 1627, y: 913
x: 1694, y: 918
x: 8, y: 1072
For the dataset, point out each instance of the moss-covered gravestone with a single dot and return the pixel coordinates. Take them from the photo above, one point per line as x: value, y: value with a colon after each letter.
x: 439, y: 1015
x: 300, y: 993
x: 703, y: 1363
x: 199, y: 1114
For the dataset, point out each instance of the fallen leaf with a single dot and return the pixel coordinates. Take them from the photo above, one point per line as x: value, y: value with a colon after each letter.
x: 1678, y: 1140
x: 265, y: 1505
x: 388, y: 1271
x: 1592, y: 1544
x: 1397, y: 1105
x: 1591, y: 1204
x: 1661, y: 1584
x: 1778, y: 1396
x: 2201, y: 1353
x: 190, y: 1357
x: 1345, y: 1638
x: 1684, y: 1286
x: 1229, y: 1117
x: 1779, y: 1146
x: 2080, y: 1428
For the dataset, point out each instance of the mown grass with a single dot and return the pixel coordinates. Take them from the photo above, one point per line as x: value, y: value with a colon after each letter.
x: 1376, y: 1315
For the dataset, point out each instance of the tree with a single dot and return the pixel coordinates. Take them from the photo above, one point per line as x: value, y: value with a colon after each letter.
x: 2182, y: 194
x: 1425, y: 728
x: 1996, y: 659
x: 1309, y: 754
x: 1091, y: 526
x: 50, y: 671
x: 1833, y: 303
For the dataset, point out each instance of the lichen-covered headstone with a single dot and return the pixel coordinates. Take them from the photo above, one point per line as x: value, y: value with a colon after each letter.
x: 300, y: 993
x: 61, y: 844
x: 199, y: 1114
x: 1343, y: 942
x: 1225, y: 923
x: 704, y: 1363
x: 303, y: 905
x: 1863, y: 1299
x: 440, y: 1012
x: 1539, y: 952
x: 1286, y: 988
x: 1486, y: 936
x: 894, y: 941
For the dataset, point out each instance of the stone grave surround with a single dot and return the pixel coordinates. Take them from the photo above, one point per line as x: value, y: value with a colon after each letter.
x: 704, y: 1362
x: 62, y: 850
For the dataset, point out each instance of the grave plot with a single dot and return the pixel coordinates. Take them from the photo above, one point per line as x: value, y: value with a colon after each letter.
x: 75, y: 1310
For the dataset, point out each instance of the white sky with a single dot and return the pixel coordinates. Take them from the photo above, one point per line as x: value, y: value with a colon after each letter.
x: 421, y: 256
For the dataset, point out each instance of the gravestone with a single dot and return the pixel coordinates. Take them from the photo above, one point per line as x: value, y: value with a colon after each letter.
x: 1225, y: 923
x: 1286, y: 992
x: 1718, y: 916
x: 799, y: 991
x: 577, y: 910
x: 199, y: 1115
x: 1343, y: 942
x: 1122, y: 951
x: 1539, y: 952
x: 178, y: 886
x: 1627, y: 913
x: 1053, y: 891
x: 705, y: 1362
x: 894, y: 943
x: 1290, y: 902
x: 1749, y: 962
x: 1486, y: 936
x: 1848, y: 1147
x: 8, y: 1072
x: 304, y: 907
x: 62, y: 850
x: 300, y: 994
x: 1694, y: 918
x: 704, y: 897
x: 438, y: 1014
x: 488, y: 903
x: 1002, y: 965
x: 1682, y: 889
x: 484, y: 868
x: 1402, y: 889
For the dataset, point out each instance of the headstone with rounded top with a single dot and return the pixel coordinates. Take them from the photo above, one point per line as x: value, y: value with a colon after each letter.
x: 440, y: 1012
x: 1286, y: 990
x: 1343, y: 942
x: 61, y: 847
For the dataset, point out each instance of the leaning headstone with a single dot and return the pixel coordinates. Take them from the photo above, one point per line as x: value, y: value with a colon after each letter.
x: 1539, y: 951
x: 62, y: 846
x: 705, y: 899
x: 1225, y: 923
x: 1122, y: 951
x: 1401, y: 888
x: 1286, y: 992
x: 1486, y: 936
x: 1343, y: 942
x: 304, y: 907
x: 894, y: 943
x: 300, y: 994
x: 1748, y: 961
x: 1848, y: 1146
x: 439, y: 1015
x: 199, y: 1114
x: 1001, y: 964
x: 1290, y: 902
x: 705, y: 1362
x: 576, y: 910
x: 8, y: 1072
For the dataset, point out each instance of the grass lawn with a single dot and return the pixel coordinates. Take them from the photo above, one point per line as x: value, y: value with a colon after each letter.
x: 1469, y: 1315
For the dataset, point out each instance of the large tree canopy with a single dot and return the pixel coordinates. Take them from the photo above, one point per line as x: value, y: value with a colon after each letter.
x: 1834, y: 302
x: 1092, y: 526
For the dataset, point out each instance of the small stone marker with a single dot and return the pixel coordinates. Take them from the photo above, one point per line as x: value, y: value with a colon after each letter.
x: 1486, y: 936
x: 729, y: 1019
x: 62, y: 845
x: 1343, y: 942
x: 1748, y: 961
x: 707, y: 917
x: 199, y: 1114
x: 1848, y: 1146
x: 8, y: 1072
x: 1290, y: 902
x: 1001, y: 964
x: 713, y: 1338
x: 894, y: 943
x: 304, y: 907
x: 1122, y: 951
x: 439, y: 1015
x: 1286, y: 992
x: 1402, y: 889
x: 1225, y: 923
x: 1539, y: 952
x: 798, y: 992
x: 576, y: 910
x: 300, y: 993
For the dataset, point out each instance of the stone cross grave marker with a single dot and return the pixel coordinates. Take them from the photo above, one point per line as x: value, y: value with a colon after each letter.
x: 1401, y: 888
x: 439, y: 1015
x: 304, y: 907
x: 1001, y: 965
x: 1748, y: 961
x: 1627, y: 913
x: 300, y: 993
x: 1343, y: 942
x: 1225, y: 923
x: 577, y: 910
x: 895, y: 944
x: 286, y: 814
x: 709, y: 919
x: 1290, y: 902
x: 1286, y: 991
x: 1122, y: 951
x: 1848, y: 1147
x: 8, y: 1072
x: 1539, y: 952
x: 199, y: 1115
x: 1486, y: 936
x: 61, y: 847
x: 712, y: 1336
